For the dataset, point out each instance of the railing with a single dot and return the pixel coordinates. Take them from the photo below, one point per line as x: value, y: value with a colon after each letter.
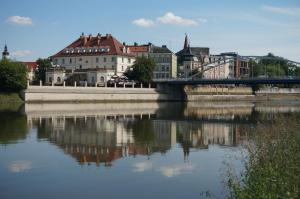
x: 96, y: 84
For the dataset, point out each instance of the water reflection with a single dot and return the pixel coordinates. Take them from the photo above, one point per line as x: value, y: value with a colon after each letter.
x: 13, y: 125
x: 161, y: 146
x: 103, y: 133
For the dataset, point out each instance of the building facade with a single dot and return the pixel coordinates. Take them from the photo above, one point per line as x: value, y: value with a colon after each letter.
x: 31, y: 68
x: 241, y: 66
x: 95, y: 52
x: 201, y: 53
x: 165, y: 59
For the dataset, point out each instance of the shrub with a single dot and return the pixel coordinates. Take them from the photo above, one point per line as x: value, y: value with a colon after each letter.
x: 13, y: 76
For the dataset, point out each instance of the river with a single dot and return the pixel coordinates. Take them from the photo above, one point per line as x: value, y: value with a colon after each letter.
x: 126, y: 150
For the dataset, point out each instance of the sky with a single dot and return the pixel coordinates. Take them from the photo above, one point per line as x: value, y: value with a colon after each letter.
x: 40, y: 28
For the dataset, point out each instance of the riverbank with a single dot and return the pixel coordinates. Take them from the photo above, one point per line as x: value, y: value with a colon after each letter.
x: 188, y: 93
x: 271, y: 162
x: 92, y: 94
x: 8, y: 97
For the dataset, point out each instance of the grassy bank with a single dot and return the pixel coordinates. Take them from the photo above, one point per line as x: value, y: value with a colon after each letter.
x: 271, y: 163
x: 6, y: 97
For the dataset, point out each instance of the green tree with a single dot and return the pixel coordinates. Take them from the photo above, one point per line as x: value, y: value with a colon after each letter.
x: 13, y: 76
x: 40, y: 73
x: 141, y: 70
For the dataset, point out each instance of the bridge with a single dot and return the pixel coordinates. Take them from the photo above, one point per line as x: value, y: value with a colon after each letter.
x: 248, y: 81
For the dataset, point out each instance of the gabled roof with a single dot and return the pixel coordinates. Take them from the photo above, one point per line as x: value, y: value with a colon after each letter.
x: 89, y: 45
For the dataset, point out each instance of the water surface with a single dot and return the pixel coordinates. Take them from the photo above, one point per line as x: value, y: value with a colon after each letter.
x: 125, y: 150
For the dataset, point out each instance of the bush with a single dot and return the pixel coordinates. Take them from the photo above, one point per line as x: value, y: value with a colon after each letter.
x: 13, y: 76
x: 272, y: 168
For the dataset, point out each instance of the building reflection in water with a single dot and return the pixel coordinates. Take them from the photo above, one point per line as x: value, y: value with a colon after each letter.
x: 102, y: 136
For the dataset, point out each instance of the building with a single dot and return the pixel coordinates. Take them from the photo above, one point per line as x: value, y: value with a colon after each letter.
x: 201, y: 53
x: 241, y: 64
x: 190, y: 63
x: 31, y: 68
x: 55, y: 75
x: 165, y: 59
x: 95, y: 52
x: 5, y: 53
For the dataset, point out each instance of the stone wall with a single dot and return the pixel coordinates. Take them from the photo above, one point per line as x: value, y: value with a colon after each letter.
x: 92, y: 94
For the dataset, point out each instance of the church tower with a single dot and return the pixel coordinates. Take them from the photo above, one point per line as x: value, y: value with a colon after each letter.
x: 186, y: 42
x: 5, y: 53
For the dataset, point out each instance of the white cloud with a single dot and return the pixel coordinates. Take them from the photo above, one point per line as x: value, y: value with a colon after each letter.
x: 170, y: 18
x: 21, y: 53
x: 282, y: 10
x: 20, y: 166
x: 143, y: 22
x: 19, y: 20
x: 175, y: 170
x: 142, y: 166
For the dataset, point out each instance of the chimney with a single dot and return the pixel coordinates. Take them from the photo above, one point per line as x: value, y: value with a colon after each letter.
x: 135, y: 44
x: 83, y: 39
x: 82, y: 35
x: 90, y: 37
x: 124, y: 44
x: 108, y: 35
x: 98, y: 39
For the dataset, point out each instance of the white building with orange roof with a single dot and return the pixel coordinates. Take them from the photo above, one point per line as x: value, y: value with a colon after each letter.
x: 101, y: 53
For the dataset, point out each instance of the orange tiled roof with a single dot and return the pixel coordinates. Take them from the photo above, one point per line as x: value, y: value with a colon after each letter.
x: 30, y: 65
x: 89, y: 45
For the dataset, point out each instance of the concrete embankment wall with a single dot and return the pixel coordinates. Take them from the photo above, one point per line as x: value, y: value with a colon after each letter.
x: 217, y: 93
x: 278, y: 94
x: 204, y: 93
x: 92, y: 94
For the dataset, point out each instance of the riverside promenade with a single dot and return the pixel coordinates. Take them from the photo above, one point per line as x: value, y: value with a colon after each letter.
x: 182, y: 93
x: 92, y: 94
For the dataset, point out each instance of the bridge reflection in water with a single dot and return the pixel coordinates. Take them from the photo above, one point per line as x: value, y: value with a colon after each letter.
x: 103, y: 133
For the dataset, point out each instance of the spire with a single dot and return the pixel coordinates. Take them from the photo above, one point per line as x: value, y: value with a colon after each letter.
x: 186, y: 42
x: 5, y: 53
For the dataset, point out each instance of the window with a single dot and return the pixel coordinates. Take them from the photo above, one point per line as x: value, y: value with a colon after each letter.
x: 129, y: 60
x: 86, y: 61
x: 80, y: 59
x: 104, y: 59
x: 104, y: 67
x: 70, y: 60
x: 63, y: 61
x: 97, y: 60
x: 80, y: 66
x: 58, y: 79
x: 50, y: 79
x: 167, y: 75
x: 55, y: 61
x: 101, y: 79
x: 112, y: 66
x: 113, y: 59
x: 163, y: 68
x: 167, y: 68
x: 93, y: 79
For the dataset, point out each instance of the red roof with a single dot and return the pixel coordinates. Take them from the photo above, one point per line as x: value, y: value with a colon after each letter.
x: 139, y: 49
x: 89, y: 45
x: 30, y: 65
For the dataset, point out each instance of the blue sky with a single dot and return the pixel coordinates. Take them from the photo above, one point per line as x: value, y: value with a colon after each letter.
x: 40, y: 28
